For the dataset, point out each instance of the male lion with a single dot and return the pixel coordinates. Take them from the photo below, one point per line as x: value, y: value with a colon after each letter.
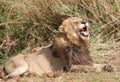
x: 69, y: 49
x: 71, y: 44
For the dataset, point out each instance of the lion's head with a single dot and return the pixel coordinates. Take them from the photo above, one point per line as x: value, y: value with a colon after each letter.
x: 75, y: 29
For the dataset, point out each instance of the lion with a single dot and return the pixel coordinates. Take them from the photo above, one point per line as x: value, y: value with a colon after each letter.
x: 68, y: 51
x: 71, y: 44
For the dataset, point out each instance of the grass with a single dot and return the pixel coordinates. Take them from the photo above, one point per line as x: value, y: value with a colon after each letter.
x: 31, y: 23
x: 78, y: 77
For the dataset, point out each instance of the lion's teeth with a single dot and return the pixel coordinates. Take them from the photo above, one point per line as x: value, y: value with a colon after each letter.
x: 82, y: 25
x: 87, y: 24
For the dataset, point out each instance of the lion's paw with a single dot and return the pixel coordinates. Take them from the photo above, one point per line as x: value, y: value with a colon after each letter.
x: 108, y: 68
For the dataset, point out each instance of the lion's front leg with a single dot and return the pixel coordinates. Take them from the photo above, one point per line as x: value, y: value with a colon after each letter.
x: 67, y: 62
x: 92, y: 68
x: 67, y: 59
x: 103, y: 67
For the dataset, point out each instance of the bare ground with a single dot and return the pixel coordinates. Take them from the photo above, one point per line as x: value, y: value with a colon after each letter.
x: 101, y: 53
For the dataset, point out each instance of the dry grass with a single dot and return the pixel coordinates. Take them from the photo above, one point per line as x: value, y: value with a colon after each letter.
x: 30, y: 23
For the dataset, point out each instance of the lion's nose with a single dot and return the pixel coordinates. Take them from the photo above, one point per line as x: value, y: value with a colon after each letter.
x: 83, y: 22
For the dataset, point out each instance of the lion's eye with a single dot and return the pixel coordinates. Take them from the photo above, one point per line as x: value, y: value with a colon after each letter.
x: 76, y: 22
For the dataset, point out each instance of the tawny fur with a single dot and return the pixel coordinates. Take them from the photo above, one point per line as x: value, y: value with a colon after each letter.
x: 69, y: 45
x: 39, y: 62
x: 68, y: 50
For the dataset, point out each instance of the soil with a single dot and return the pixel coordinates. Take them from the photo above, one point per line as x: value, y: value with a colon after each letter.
x: 109, y: 56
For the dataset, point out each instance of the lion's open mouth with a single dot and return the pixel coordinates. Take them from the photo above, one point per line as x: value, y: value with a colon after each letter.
x: 84, y: 32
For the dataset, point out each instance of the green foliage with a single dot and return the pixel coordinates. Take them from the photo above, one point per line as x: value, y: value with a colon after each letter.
x: 31, y: 23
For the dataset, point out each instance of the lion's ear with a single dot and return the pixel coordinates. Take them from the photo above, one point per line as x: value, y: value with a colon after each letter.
x: 61, y: 29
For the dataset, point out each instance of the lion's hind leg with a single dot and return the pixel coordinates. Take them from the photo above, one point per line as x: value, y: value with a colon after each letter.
x: 18, y: 71
x: 16, y: 66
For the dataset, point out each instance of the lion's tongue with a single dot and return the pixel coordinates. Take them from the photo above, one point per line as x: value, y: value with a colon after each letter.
x: 86, y: 34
